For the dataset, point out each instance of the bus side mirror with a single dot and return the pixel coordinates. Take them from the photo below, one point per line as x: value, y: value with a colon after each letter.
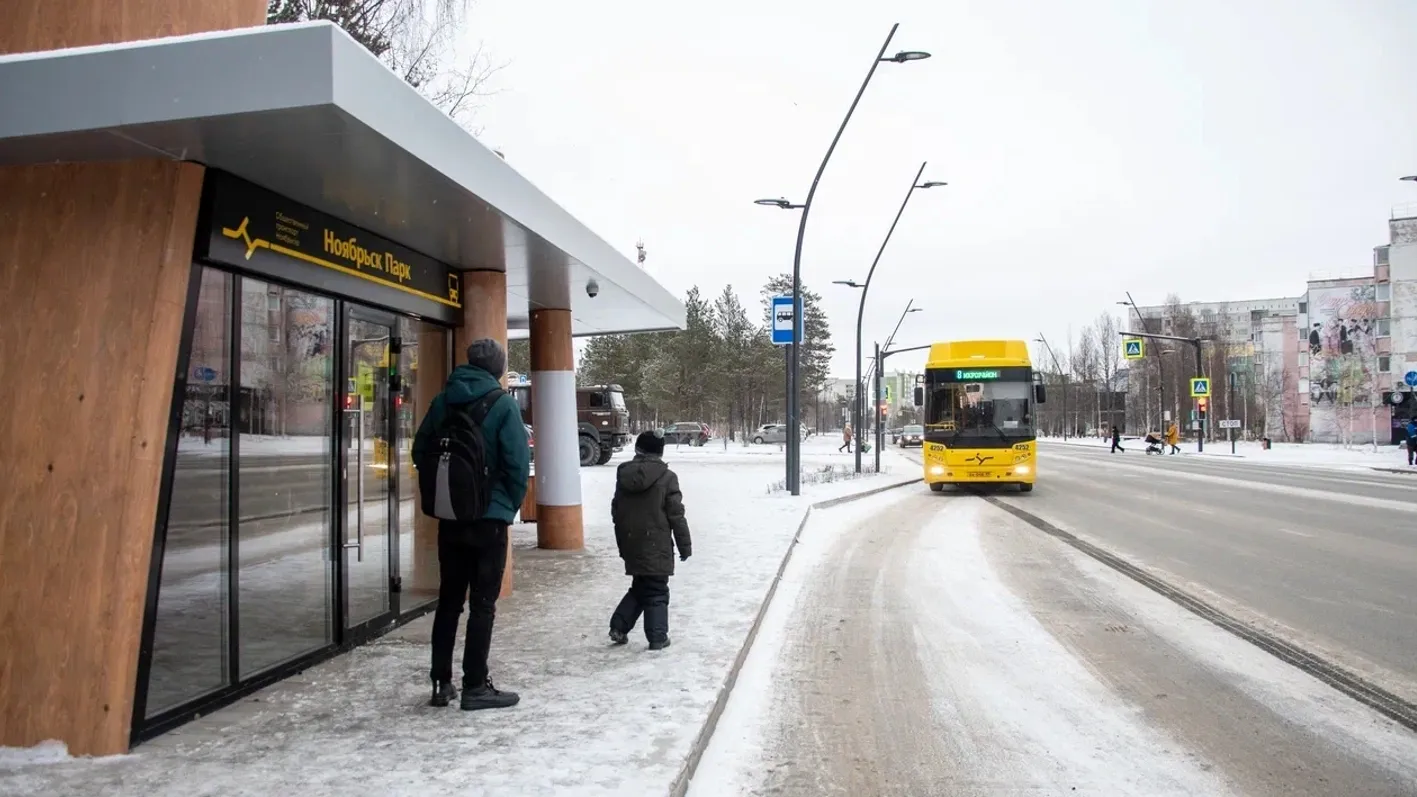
x: 919, y: 396
x: 1040, y: 394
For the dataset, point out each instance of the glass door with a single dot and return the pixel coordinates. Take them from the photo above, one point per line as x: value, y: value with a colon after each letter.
x: 369, y: 480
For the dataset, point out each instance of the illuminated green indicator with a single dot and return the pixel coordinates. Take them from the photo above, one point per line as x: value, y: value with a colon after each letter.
x: 979, y: 375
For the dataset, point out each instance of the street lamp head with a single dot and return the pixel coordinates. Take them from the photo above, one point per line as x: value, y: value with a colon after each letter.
x: 1410, y: 178
x: 931, y: 184
x: 914, y: 309
x: 907, y: 55
x: 776, y: 203
x: 847, y: 283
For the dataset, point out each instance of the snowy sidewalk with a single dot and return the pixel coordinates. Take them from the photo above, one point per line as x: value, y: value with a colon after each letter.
x: 1309, y: 455
x: 594, y: 720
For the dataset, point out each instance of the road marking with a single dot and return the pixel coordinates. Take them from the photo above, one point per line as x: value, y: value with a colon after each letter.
x: 1203, y: 510
x: 1295, y: 533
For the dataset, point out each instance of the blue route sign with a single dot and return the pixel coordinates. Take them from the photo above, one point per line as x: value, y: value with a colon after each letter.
x: 203, y: 373
x: 783, y: 319
x: 1411, y: 378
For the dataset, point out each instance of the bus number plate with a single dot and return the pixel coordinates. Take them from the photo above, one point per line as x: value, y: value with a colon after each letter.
x: 979, y: 474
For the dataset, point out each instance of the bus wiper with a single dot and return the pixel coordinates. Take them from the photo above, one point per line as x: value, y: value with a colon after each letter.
x: 1002, y: 435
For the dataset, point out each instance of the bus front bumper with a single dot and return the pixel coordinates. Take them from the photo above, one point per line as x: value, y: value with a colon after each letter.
x: 1017, y: 473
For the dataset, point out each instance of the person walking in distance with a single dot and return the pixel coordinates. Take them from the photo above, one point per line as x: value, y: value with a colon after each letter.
x: 845, y: 439
x: 473, y: 463
x: 648, y: 512
x: 1411, y: 442
x: 1173, y: 437
x: 1117, y: 439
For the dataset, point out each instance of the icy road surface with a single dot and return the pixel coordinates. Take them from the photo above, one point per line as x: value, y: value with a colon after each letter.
x: 929, y: 644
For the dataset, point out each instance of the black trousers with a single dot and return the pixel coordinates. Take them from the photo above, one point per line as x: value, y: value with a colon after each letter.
x: 471, y: 560
x: 647, y: 595
x: 1117, y: 445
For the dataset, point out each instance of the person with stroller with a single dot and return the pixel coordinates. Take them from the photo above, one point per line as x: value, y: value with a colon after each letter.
x: 1173, y: 437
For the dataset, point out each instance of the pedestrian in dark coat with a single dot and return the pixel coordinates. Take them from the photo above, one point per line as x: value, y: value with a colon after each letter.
x: 648, y: 511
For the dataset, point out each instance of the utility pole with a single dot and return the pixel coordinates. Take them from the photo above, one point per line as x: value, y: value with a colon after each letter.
x: 1230, y: 409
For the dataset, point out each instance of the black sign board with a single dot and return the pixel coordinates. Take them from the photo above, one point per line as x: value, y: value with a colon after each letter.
x: 252, y: 228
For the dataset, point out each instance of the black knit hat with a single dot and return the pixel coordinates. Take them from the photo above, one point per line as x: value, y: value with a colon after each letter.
x: 651, y: 442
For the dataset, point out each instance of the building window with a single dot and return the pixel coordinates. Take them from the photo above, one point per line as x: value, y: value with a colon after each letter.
x: 1382, y: 328
x: 1384, y: 364
x: 1384, y: 292
x: 1303, y: 307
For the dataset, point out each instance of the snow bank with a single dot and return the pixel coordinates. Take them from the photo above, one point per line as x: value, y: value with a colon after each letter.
x: 732, y: 760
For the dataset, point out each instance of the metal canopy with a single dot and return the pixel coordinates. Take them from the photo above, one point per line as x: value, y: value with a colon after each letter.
x: 305, y: 111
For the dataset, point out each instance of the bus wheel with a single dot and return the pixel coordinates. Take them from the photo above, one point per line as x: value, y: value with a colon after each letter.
x: 937, y: 487
x: 1025, y: 488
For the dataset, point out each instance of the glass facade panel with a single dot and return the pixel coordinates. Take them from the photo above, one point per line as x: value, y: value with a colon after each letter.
x: 416, y: 336
x: 285, y: 475
x: 190, y: 636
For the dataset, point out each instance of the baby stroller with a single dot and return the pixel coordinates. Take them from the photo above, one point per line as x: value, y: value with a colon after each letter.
x: 1154, y: 443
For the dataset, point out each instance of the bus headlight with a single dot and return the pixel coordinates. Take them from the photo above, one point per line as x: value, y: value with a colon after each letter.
x: 937, y: 470
x: 1022, y: 470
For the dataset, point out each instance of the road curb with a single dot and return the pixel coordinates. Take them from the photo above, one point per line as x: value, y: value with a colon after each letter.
x: 680, y: 786
x: 1409, y: 471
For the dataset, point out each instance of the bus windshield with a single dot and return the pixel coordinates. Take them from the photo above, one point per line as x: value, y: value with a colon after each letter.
x: 979, y: 408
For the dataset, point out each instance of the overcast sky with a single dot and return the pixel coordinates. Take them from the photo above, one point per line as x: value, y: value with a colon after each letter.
x: 1220, y: 149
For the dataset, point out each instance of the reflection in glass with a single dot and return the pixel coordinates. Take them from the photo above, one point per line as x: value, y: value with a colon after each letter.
x: 367, y: 482
x: 190, y: 641
x: 416, y: 336
x: 285, y: 474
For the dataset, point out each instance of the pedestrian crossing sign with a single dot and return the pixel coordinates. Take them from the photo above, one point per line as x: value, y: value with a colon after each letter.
x: 1133, y: 349
x: 1200, y: 388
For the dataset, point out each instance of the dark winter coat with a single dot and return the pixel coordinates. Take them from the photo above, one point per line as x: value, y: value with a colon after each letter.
x: 508, y: 454
x: 648, y: 511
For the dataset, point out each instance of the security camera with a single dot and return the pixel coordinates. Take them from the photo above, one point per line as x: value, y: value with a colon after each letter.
x: 592, y: 288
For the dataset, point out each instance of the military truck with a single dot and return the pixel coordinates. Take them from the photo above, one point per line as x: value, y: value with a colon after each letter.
x: 602, y: 422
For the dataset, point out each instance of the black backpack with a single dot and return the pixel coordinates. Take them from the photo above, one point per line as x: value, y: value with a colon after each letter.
x: 454, y: 476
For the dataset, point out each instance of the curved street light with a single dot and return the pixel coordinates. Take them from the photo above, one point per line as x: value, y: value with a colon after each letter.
x: 1062, y: 374
x: 794, y: 354
x: 1409, y: 178
x: 866, y: 286
x: 777, y: 203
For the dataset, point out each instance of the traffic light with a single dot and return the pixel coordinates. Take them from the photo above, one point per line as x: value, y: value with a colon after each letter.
x: 1202, y: 404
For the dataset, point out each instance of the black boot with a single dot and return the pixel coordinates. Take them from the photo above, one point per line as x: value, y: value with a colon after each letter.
x: 487, y: 696
x: 657, y: 623
x: 443, y: 694
x: 619, y: 637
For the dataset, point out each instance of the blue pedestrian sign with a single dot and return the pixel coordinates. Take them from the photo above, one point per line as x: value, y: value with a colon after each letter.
x: 1133, y: 349
x: 203, y: 373
x: 784, y: 320
x: 1200, y: 388
x: 1410, y: 378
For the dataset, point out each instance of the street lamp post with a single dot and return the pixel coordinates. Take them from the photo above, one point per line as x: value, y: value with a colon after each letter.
x: 880, y: 363
x: 866, y: 286
x: 1063, y: 375
x: 1160, y: 361
x: 794, y: 355
x: 880, y: 430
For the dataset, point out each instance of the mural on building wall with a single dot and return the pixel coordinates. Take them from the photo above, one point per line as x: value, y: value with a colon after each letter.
x: 1342, y: 360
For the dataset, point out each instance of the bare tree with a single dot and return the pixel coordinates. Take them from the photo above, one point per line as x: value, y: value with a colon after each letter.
x: 1109, y: 345
x: 417, y: 39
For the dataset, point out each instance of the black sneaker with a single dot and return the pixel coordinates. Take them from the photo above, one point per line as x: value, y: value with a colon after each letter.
x: 488, y: 696
x: 660, y: 644
x: 443, y: 693
x: 619, y: 637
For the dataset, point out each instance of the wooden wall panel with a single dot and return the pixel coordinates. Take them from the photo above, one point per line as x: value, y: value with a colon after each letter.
x: 30, y: 25
x: 94, y: 266
x: 432, y: 374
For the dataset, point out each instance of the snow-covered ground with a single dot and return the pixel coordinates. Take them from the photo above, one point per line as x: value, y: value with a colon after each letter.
x: 1317, y: 455
x: 594, y: 720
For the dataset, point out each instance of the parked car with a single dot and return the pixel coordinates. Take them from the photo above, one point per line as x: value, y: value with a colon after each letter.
x: 693, y: 433
x: 912, y: 435
x: 775, y: 433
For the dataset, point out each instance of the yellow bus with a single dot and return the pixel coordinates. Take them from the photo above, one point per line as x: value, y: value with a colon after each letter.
x: 978, y: 399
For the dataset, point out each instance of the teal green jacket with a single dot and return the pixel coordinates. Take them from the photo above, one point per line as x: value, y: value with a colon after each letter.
x: 508, y: 452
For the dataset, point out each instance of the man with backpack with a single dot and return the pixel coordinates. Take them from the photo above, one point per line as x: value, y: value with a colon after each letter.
x: 473, y: 463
